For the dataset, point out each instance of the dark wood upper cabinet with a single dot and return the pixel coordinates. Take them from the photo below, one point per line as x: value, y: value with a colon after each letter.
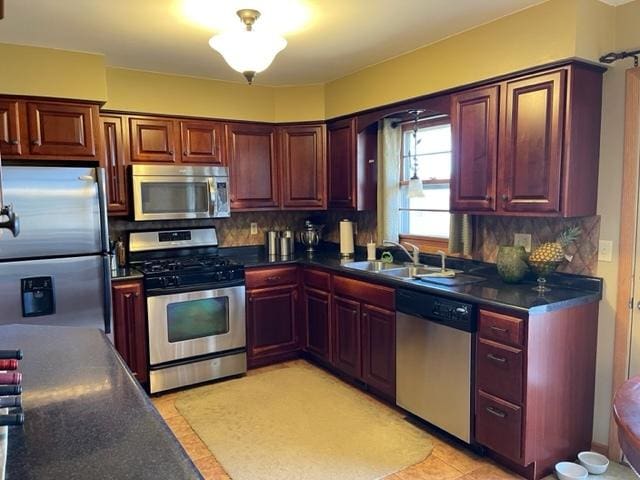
x: 9, y: 128
x: 152, y: 139
x: 63, y: 130
x: 317, y: 305
x: 341, y: 159
x: 532, y: 143
x: 474, y: 130
x: 114, y: 160
x: 539, y: 154
x: 129, y: 326
x: 379, y: 349
x: 253, y: 171
x: 202, y: 142
x: 303, y: 167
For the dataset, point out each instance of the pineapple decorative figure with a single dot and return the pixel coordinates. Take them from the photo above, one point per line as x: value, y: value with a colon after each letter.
x: 548, y: 256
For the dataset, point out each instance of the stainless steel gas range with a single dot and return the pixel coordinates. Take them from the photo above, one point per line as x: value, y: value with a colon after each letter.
x: 195, y: 307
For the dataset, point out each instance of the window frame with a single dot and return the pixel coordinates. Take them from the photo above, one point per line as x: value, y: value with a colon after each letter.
x: 426, y: 243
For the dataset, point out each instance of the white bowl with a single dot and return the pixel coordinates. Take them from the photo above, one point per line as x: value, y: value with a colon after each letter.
x: 571, y: 471
x: 594, y: 462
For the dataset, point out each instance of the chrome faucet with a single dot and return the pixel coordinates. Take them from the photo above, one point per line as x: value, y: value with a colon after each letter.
x: 415, y: 253
x: 443, y: 259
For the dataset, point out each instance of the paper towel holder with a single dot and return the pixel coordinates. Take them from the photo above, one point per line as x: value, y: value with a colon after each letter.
x: 346, y: 238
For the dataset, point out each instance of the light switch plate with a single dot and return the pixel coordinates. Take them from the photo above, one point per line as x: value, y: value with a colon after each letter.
x: 605, y: 251
x: 254, y: 228
x: 523, y: 239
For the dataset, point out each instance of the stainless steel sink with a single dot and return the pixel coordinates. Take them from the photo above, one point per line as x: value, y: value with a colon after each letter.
x: 372, y: 266
x: 410, y: 271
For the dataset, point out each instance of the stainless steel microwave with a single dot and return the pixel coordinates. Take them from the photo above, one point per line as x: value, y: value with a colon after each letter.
x: 170, y: 192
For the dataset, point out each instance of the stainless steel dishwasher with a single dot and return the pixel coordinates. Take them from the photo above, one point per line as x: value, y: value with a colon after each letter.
x: 433, y: 359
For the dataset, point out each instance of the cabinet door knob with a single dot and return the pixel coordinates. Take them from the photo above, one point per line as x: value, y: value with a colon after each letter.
x: 487, y: 198
x: 185, y: 153
x: 170, y: 152
x: 35, y: 142
x: 505, y: 197
x: 14, y: 142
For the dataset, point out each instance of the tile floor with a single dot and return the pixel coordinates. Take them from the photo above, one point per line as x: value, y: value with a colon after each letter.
x: 448, y: 461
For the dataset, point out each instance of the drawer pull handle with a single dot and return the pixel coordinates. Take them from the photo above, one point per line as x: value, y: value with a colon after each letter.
x: 274, y: 278
x: 498, y: 329
x: 491, y: 356
x: 496, y: 412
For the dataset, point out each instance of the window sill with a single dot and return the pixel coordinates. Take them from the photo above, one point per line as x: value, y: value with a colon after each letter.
x: 427, y: 244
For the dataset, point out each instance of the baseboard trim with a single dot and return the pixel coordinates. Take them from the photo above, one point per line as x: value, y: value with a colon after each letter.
x: 600, y: 448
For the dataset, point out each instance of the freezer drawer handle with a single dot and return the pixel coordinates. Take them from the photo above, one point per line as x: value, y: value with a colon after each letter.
x: 496, y: 412
x: 491, y: 356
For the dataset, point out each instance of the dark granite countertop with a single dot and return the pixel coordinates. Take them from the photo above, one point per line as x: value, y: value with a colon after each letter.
x: 566, y: 290
x: 125, y: 273
x: 85, y: 415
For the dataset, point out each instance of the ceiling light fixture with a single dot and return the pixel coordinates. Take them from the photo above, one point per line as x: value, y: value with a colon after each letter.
x: 415, y: 184
x: 248, y: 51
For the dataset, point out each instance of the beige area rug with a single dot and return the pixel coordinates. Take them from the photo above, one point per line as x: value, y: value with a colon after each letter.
x: 299, y: 422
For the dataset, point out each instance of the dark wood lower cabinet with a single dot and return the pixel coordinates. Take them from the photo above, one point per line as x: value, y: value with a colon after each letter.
x: 379, y: 349
x: 347, y: 340
x: 129, y: 326
x: 272, y: 333
x: 317, y: 306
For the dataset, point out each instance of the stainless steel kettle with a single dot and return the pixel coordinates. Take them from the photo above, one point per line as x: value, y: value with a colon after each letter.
x: 311, y: 235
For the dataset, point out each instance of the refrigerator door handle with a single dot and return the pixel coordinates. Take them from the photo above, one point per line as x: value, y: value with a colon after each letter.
x: 102, y: 200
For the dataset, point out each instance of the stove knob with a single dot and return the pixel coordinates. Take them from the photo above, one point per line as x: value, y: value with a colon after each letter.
x: 176, y: 280
x: 163, y: 281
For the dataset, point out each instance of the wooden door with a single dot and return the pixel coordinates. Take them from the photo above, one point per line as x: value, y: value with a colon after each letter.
x: 202, y: 142
x: 303, y: 167
x: 63, y: 130
x: 341, y: 157
x: 152, y: 139
x: 474, y: 130
x: 252, y: 166
x: 271, y: 323
x: 129, y: 327
x: 9, y: 128
x: 347, y: 346
x: 531, y: 144
x: 114, y: 160
x: 317, y: 306
x: 379, y: 349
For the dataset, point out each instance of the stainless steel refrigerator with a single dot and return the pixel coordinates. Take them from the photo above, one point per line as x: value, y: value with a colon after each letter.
x: 57, y: 270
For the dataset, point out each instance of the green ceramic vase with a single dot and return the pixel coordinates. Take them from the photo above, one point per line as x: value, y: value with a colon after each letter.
x: 512, y: 263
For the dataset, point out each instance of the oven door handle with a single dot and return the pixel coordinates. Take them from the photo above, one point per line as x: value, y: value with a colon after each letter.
x: 156, y: 292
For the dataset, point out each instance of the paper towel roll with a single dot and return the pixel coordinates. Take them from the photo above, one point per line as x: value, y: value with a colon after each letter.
x: 346, y: 238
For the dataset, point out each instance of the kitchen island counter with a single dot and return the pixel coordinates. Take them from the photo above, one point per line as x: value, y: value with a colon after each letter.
x: 85, y: 415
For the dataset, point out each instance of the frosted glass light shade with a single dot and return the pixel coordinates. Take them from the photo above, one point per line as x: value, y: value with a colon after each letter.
x: 415, y: 187
x: 248, y: 50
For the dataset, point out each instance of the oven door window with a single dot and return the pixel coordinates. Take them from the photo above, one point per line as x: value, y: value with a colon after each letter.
x: 193, y: 319
x: 175, y: 197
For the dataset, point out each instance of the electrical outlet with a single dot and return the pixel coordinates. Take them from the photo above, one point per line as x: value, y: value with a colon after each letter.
x: 523, y: 239
x: 605, y: 251
x: 254, y: 228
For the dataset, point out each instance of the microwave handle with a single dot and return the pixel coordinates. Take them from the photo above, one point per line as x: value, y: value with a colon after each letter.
x: 212, y: 197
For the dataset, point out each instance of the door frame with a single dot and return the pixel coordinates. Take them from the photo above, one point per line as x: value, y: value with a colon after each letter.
x: 627, y: 246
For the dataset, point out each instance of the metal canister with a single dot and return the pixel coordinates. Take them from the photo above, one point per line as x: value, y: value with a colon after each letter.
x: 285, y: 247
x: 290, y: 236
x: 272, y: 242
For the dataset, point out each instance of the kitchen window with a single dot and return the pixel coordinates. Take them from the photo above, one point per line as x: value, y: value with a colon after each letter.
x: 425, y: 221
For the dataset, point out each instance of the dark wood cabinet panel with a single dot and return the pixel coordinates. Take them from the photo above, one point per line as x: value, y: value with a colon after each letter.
x: 341, y: 159
x: 152, y: 139
x: 271, y: 323
x: 114, y: 159
x: 10, y: 143
x: 474, y: 130
x: 303, y: 167
x: 532, y: 143
x: 252, y: 166
x: 129, y: 326
x: 202, y: 142
x: 347, y: 336
x: 317, y: 306
x: 499, y: 370
x: 379, y: 349
x: 64, y: 130
x: 499, y: 425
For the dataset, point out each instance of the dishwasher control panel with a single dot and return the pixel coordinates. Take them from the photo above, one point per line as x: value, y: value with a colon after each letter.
x: 459, y: 315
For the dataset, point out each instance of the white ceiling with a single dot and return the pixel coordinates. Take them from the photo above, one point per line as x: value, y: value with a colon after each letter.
x: 327, y: 38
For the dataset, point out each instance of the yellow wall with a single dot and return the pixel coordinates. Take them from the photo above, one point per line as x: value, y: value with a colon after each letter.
x: 51, y: 73
x: 538, y: 35
x: 303, y: 103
